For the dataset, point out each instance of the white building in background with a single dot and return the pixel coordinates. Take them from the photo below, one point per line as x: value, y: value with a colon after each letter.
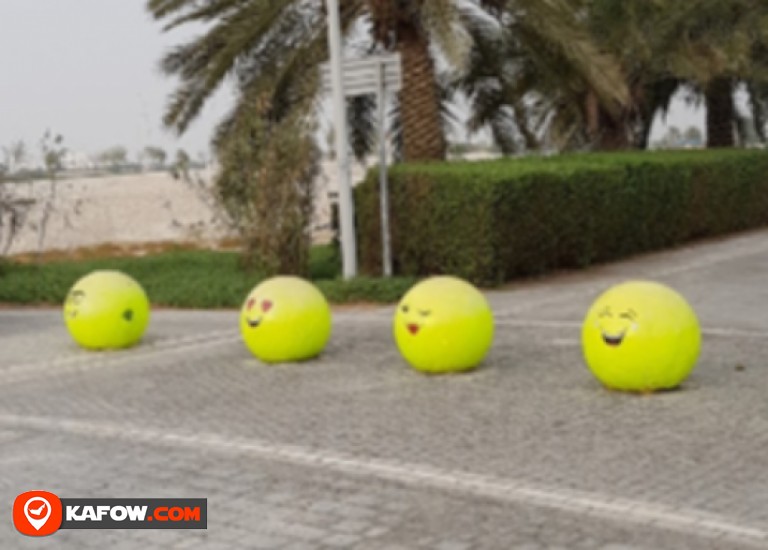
x: 77, y: 160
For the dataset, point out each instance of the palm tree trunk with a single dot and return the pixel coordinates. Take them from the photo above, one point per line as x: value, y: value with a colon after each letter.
x: 758, y: 105
x: 720, y: 113
x: 643, y: 137
x: 613, y: 134
x: 423, y: 137
x: 606, y: 132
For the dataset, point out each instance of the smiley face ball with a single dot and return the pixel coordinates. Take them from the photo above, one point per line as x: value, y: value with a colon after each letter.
x: 443, y: 324
x: 106, y: 310
x: 641, y: 336
x: 285, y: 319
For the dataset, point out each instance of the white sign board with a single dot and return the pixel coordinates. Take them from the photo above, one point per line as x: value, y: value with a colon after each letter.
x: 376, y: 74
x: 362, y: 75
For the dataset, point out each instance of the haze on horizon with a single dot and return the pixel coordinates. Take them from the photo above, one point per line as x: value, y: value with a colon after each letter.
x: 88, y: 70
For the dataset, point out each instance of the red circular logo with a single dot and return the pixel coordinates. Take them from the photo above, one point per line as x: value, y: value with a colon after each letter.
x: 37, y: 513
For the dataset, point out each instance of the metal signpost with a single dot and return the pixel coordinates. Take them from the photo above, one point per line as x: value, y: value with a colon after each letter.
x: 368, y: 75
x: 346, y: 206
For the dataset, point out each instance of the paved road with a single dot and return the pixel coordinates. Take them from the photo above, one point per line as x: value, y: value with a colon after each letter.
x: 355, y: 450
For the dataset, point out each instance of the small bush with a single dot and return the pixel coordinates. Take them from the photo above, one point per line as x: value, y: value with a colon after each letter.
x: 364, y: 289
x: 324, y: 262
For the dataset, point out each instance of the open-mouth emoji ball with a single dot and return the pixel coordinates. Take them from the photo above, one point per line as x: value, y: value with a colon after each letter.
x: 443, y: 324
x: 106, y: 310
x: 285, y: 319
x: 641, y: 336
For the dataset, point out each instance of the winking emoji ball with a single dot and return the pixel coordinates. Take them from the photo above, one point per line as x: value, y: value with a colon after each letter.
x: 285, y: 319
x: 641, y: 336
x: 443, y: 324
x: 106, y: 310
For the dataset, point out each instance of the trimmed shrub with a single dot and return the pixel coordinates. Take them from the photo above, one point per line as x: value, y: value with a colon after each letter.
x: 490, y: 222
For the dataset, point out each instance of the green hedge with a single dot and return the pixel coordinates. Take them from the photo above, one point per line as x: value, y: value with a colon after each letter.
x: 490, y: 222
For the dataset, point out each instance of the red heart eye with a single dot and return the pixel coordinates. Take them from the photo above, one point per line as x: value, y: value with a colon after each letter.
x: 250, y: 304
x: 266, y: 305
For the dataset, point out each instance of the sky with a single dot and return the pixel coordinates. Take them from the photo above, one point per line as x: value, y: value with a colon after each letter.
x: 88, y: 70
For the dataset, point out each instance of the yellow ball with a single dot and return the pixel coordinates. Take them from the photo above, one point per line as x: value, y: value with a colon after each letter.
x: 106, y: 310
x: 285, y: 319
x: 641, y: 336
x: 443, y: 324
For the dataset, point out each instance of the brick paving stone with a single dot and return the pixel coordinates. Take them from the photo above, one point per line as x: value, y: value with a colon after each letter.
x: 191, y: 413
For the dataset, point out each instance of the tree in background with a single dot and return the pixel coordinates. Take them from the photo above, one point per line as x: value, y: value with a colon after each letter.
x: 672, y: 139
x: 182, y: 164
x: 533, y: 72
x: 155, y: 156
x: 115, y: 157
x: 646, y: 50
x: 706, y: 46
x: 693, y: 137
x: 14, y: 155
x: 736, y: 32
x: 605, y: 98
x: 13, y: 210
x: 14, y: 206
x: 53, y: 151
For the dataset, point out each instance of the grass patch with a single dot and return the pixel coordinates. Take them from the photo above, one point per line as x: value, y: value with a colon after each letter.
x: 188, y: 278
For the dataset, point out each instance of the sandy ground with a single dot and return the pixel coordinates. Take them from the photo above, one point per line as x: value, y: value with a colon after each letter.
x: 134, y: 209
x: 138, y: 212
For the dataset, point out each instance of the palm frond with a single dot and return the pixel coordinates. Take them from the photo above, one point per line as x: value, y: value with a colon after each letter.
x: 214, y: 9
x: 442, y: 20
x: 556, y: 26
x: 203, y: 64
x: 163, y: 8
x: 362, y: 124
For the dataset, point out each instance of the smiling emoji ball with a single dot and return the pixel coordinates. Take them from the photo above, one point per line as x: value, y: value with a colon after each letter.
x: 443, y: 324
x: 285, y: 319
x: 106, y: 310
x: 641, y: 336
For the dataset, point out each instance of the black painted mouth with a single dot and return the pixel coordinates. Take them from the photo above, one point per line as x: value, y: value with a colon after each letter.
x: 253, y: 324
x: 612, y: 340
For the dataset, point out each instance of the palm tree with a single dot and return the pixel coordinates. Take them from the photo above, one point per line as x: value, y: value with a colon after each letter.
x: 758, y: 95
x: 268, y: 43
x: 542, y: 77
x: 272, y: 49
x: 272, y: 45
x: 737, y: 35
x: 646, y: 50
x: 709, y: 46
x: 631, y: 36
